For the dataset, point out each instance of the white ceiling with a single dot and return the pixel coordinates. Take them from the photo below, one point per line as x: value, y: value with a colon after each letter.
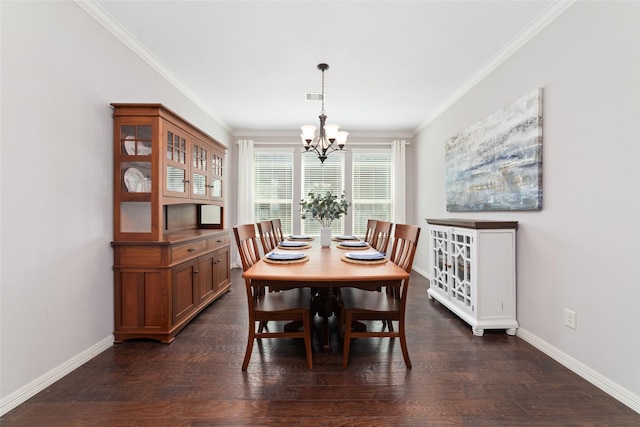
x: 393, y: 64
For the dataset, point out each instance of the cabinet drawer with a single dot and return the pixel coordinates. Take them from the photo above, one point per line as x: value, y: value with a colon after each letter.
x: 188, y: 249
x: 218, y: 242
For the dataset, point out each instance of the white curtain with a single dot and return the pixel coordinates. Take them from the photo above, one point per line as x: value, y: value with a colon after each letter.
x: 245, y: 190
x: 398, y: 181
x: 245, y: 181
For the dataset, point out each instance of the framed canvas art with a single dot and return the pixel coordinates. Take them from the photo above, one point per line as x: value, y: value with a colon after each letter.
x: 496, y: 164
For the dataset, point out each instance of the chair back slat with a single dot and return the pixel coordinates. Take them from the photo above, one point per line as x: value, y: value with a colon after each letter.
x: 277, y: 230
x: 247, y: 242
x: 381, y: 235
x: 370, y: 233
x: 405, y: 243
x: 267, y: 236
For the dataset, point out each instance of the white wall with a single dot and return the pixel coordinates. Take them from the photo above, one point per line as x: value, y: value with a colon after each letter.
x: 582, y: 251
x: 60, y: 70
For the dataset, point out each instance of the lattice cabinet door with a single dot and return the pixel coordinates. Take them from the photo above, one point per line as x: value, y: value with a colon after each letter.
x: 461, y: 269
x: 440, y: 259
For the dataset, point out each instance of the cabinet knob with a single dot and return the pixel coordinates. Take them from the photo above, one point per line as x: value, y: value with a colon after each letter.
x: 191, y: 249
x: 195, y: 271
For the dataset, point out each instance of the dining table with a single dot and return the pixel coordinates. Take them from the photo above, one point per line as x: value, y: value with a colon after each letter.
x: 325, y: 269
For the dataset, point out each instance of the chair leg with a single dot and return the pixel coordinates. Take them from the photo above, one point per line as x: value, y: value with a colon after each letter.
x: 403, y: 346
x: 347, y: 340
x: 263, y: 326
x: 306, y: 324
x: 247, y: 353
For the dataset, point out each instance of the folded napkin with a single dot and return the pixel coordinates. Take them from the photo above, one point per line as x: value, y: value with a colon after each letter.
x: 279, y: 256
x: 292, y: 244
x: 346, y: 238
x: 359, y: 244
x: 369, y: 256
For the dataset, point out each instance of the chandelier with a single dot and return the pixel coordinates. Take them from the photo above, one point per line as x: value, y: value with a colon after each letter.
x: 329, y: 139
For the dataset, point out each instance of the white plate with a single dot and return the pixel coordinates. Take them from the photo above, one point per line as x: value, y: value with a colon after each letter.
x: 134, y: 180
x: 130, y: 145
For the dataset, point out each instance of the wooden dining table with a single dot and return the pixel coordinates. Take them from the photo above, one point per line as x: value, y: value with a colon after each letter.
x: 325, y: 270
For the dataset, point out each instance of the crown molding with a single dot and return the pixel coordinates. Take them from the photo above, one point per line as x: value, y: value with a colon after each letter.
x: 540, y: 22
x: 106, y: 20
x: 295, y: 134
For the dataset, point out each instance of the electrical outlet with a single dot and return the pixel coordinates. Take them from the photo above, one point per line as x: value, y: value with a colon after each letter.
x: 570, y: 318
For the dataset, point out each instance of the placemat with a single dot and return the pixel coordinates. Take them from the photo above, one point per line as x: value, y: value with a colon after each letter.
x: 357, y: 248
x: 357, y: 261
x: 307, y: 246
x: 291, y: 261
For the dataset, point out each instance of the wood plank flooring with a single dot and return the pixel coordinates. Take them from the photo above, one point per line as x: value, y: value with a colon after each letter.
x: 457, y: 379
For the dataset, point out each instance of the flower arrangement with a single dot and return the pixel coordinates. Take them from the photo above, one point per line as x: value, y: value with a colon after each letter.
x: 324, y: 208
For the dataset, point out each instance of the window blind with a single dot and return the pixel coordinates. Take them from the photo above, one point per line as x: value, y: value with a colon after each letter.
x: 371, y: 196
x: 273, y: 187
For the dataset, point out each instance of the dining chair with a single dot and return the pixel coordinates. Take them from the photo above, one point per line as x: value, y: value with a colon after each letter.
x: 389, y: 305
x: 277, y: 230
x: 371, y: 227
x: 267, y: 236
x: 290, y: 305
x: 381, y: 234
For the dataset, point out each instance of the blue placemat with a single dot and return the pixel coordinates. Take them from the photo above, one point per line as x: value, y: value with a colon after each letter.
x: 293, y: 244
x: 346, y: 238
x: 279, y: 256
x: 360, y: 244
x: 369, y: 256
x: 300, y: 237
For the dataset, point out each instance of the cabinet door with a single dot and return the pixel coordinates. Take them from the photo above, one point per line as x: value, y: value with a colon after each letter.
x: 176, y: 164
x: 217, y: 160
x: 222, y: 268
x: 440, y: 260
x: 461, y: 265
x: 213, y: 273
x: 185, y: 290
x: 206, y: 280
x: 201, y: 155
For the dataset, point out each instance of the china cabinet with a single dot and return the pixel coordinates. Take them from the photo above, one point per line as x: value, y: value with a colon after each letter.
x: 473, y: 271
x: 171, y: 251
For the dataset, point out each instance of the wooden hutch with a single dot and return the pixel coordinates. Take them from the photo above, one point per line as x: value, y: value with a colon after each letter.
x: 171, y: 251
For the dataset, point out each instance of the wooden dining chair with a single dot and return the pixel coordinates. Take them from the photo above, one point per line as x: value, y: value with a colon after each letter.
x: 277, y: 230
x: 267, y: 236
x: 381, y: 234
x: 389, y: 305
x: 290, y: 305
x: 371, y: 228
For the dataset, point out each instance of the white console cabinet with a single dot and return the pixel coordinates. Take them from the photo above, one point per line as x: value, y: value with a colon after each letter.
x: 473, y: 271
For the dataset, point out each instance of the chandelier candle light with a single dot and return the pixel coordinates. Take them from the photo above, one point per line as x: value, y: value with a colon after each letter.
x: 330, y: 139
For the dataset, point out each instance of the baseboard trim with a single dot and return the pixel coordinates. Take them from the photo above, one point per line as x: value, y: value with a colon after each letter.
x: 603, y: 383
x: 39, y: 384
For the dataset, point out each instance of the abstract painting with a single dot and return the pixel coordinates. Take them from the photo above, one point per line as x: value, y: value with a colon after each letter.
x: 496, y: 164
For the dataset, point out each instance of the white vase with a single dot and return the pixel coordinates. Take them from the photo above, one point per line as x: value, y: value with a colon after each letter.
x: 325, y: 237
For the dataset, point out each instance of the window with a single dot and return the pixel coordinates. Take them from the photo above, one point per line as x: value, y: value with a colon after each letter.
x: 284, y: 176
x: 273, y: 186
x: 371, y: 198
x: 319, y: 178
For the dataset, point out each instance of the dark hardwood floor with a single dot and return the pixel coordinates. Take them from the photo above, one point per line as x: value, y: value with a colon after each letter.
x: 457, y: 379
